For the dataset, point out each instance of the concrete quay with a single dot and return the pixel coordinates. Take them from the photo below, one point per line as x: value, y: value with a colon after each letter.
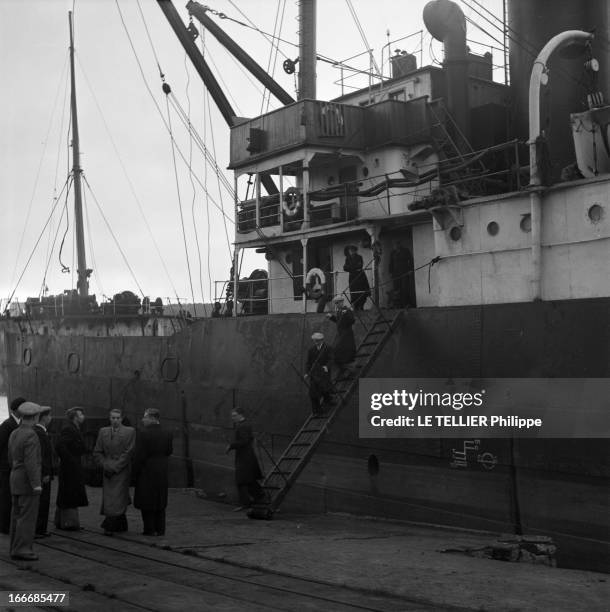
x: 213, y: 558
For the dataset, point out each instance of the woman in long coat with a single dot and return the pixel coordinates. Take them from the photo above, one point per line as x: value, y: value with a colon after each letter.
x: 359, y: 288
x: 71, y: 493
x: 150, y: 467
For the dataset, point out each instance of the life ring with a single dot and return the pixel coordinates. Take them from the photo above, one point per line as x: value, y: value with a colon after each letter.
x: 315, y: 283
x: 291, y: 201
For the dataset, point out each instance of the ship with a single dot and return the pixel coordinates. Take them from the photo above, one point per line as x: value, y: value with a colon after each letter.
x: 499, y: 193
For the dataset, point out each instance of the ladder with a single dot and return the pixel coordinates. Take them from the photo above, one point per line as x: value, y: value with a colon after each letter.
x: 297, y: 454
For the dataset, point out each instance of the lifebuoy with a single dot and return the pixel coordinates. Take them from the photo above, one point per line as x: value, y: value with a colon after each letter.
x: 315, y: 283
x: 291, y: 201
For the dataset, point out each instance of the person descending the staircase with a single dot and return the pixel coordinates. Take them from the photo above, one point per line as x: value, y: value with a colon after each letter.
x: 247, y: 469
x: 318, y: 374
x: 359, y: 288
x: 344, y: 350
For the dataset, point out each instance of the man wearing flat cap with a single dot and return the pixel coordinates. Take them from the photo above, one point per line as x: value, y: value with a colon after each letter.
x: 6, y: 429
x: 318, y: 374
x: 26, y: 485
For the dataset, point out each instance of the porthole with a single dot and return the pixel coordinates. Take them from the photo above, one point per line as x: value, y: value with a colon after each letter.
x: 170, y: 369
x: 73, y: 363
x: 493, y: 228
x: 27, y: 356
x: 526, y: 223
x: 455, y: 233
x: 595, y: 213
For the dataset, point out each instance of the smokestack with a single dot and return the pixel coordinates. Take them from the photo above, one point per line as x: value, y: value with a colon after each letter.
x: 307, y: 49
x: 446, y: 22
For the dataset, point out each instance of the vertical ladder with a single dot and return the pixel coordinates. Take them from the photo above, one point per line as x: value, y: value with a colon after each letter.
x: 297, y: 454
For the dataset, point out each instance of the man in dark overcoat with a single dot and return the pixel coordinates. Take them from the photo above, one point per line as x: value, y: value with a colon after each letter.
x: 71, y: 493
x: 24, y: 459
x: 6, y: 429
x: 344, y: 349
x: 150, y: 472
x: 46, y: 456
x: 247, y: 469
x: 359, y: 288
x: 318, y: 373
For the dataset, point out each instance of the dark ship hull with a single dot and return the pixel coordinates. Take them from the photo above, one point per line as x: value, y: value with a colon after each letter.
x: 551, y: 487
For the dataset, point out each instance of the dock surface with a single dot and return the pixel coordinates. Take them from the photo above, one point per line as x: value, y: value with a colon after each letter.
x: 213, y: 558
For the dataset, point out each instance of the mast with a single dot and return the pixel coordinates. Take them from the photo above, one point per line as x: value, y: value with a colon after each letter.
x: 307, y: 49
x: 83, y: 273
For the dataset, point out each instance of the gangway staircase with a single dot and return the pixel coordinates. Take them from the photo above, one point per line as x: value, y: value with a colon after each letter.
x: 296, y: 456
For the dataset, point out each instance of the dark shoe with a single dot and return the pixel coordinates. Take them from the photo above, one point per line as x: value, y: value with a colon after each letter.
x: 39, y: 536
x: 148, y: 533
x: 240, y: 508
x: 108, y: 533
x: 25, y: 557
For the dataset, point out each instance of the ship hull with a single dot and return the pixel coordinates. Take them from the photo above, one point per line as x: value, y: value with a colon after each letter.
x: 552, y: 487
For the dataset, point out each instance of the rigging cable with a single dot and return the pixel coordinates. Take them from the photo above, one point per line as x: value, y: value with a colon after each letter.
x: 64, y: 268
x: 113, y: 236
x: 272, y: 61
x: 166, y: 89
x: 129, y: 181
x: 89, y: 235
x: 35, y: 186
x: 49, y: 256
x: 364, y: 40
x: 194, y: 198
x: 27, y: 263
x: 206, y: 110
x: 182, y: 156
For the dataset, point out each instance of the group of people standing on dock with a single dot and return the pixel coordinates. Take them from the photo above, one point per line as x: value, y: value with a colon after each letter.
x: 126, y: 457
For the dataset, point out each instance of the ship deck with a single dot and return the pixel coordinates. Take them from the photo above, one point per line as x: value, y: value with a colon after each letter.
x: 215, y: 559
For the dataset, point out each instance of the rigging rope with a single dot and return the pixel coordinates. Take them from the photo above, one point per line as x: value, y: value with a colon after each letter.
x: 194, y: 190
x: 27, y: 263
x: 186, y: 251
x: 129, y: 181
x: 363, y: 36
x: 113, y: 236
x: 38, y: 171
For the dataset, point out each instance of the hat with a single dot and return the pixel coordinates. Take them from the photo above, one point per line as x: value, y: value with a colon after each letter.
x: 72, y: 411
x: 45, y: 410
x: 317, y: 336
x: 339, y: 298
x: 28, y: 409
x: 16, y: 403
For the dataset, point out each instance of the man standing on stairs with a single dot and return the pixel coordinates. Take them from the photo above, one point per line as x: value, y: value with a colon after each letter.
x: 247, y: 469
x: 318, y: 374
x: 344, y: 350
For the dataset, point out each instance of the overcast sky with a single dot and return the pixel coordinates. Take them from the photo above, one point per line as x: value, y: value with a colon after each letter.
x: 126, y: 151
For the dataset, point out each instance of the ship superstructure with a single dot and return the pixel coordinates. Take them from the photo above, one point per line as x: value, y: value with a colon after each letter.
x: 430, y: 158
